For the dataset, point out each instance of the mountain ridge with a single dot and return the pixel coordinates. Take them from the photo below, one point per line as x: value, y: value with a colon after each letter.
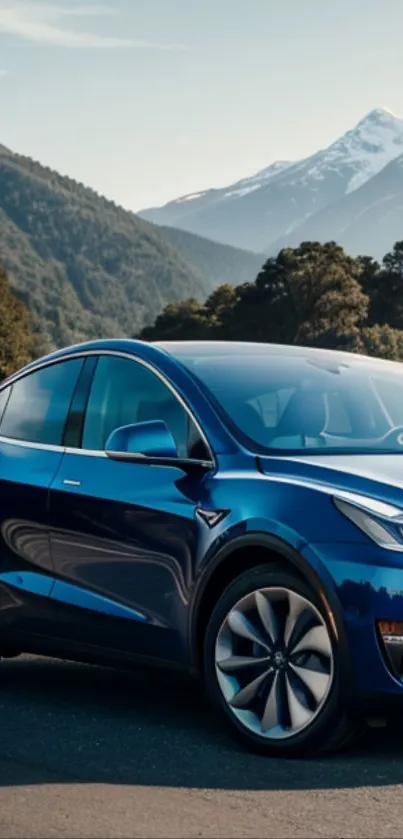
x: 371, y: 214
x: 284, y: 195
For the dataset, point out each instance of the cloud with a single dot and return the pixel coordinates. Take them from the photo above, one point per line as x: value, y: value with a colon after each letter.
x: 82, y: 11
x: 43, y: 23
x: 3, y: 73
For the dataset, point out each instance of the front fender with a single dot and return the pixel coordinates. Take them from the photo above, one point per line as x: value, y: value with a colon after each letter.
x: 296, y: 553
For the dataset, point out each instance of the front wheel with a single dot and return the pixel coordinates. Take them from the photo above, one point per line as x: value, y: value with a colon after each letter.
x: 271, y: 665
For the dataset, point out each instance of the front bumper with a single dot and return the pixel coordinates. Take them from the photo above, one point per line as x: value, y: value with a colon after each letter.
x: 366, y: 583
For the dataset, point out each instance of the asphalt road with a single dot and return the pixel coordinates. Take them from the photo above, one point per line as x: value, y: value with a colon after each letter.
x: 86, y: 752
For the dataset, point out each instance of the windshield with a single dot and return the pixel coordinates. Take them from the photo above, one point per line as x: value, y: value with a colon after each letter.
x: 304, y: 401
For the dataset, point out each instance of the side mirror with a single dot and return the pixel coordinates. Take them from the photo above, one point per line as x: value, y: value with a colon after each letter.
x: 150, y: 440
x: 151, y: 443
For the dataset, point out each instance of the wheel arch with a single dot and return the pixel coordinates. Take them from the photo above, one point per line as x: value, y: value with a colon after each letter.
x: 251, y: 551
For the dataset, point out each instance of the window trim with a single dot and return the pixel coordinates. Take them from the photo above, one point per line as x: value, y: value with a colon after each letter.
x: 92, y: 452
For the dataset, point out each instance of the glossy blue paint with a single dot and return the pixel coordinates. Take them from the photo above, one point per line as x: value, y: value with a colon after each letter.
x: 71, y: 595
x: 43, y: 585
x: 30, y: 582
x: 25, y: 477
x: 368, y: 583
x: 120, y: 559
x: 128, y: 531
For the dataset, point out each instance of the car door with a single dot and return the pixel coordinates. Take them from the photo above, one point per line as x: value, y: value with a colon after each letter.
x: 124, y: 535
x: 33, y: 409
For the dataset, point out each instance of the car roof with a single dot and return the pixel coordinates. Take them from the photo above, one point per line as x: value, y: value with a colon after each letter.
x: 184, y: 350
x: 200, y: 349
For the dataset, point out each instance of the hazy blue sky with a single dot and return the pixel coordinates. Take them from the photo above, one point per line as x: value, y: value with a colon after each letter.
x: 146, y: 100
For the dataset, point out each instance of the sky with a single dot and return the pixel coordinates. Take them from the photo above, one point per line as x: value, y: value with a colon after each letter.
x: 148, y: 100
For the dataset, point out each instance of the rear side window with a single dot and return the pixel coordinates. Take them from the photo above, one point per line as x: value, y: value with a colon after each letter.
x: 38, y: 405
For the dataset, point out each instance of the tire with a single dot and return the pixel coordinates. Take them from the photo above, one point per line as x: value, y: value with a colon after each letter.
x: 272, y: 707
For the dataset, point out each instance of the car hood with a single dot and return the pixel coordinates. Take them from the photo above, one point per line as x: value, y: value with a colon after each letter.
x: 379, y: 476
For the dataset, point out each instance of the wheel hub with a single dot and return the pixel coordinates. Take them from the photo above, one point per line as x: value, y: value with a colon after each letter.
x: 279, y: 659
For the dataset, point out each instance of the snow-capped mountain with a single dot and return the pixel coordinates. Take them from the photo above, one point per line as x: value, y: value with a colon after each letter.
x: 180, y: 208
x: 368, y: 220
x: 370, y: 146
x: 270, y: 206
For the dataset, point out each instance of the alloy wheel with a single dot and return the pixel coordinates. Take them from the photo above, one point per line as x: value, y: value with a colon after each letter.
x: 274, y: 662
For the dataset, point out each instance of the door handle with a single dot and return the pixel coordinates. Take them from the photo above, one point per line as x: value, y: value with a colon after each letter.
x: 71, y: 483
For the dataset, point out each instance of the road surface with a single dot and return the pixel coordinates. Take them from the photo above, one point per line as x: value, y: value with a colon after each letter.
x: 87, y: 752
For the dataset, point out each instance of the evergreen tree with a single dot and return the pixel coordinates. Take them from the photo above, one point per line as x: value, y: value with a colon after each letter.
x: 393, y: 261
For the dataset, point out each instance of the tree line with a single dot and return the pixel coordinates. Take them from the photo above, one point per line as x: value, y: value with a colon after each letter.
x: 312, y: 295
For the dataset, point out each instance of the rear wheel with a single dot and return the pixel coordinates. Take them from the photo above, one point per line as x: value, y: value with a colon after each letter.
x: 271, y: 665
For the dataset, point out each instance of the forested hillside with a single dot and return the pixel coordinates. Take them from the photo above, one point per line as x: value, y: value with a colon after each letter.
x: 87, y: 268
x: 84, y: 266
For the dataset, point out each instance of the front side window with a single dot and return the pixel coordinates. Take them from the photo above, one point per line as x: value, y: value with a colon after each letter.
x: 38, y: 404
x: 125, y: 392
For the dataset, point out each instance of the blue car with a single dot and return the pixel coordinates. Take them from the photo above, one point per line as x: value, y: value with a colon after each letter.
x: 232, y: 509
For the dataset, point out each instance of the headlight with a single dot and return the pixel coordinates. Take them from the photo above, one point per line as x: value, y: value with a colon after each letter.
x: 382, y: 522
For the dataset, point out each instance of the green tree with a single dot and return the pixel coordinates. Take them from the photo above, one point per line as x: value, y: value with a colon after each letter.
x: 219, y: 308
x: 393, y: 261
x: 307, y: 295
x: 18, y: 342
x: 263, y: 309
x: 382, y: 342
x: 384, y: 286
x: 191, y: 320
x: 392, y: 287
x: 185, y: 321
x: 327, y: 302
x: 369, y: 280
